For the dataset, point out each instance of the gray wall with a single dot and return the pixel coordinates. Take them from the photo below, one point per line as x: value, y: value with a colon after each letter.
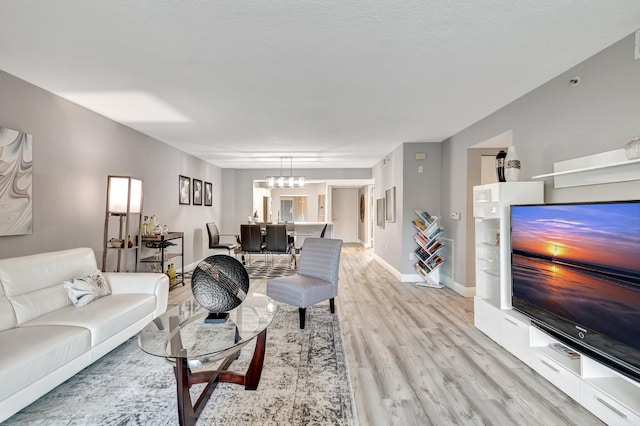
x: 554, y: 122
x: 74, y: 150
x: 421, y: 192
x: 387, y: 173
x: 414, y: 191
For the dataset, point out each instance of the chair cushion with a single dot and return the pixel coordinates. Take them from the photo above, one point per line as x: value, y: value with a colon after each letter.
x: 299, y: 290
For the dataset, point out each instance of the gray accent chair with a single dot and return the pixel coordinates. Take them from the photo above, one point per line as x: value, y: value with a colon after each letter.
x: 316, y: 280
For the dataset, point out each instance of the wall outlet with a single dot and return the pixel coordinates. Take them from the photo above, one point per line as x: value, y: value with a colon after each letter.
x: 420, y: 169
x: 455, y: 215
x: 411, y: 256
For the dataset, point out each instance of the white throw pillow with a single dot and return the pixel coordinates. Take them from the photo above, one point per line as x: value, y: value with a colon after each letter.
x: 84, y: 290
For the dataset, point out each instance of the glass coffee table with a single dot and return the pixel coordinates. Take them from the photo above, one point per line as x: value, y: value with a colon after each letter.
x: 181, y: 336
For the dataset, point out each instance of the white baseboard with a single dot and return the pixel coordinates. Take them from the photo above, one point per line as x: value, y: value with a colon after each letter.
x: 457, y: 287
x: 388, y: 267
x: 415, y: 278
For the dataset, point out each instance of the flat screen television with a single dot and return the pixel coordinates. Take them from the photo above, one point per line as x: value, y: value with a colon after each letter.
x: 575, y: 272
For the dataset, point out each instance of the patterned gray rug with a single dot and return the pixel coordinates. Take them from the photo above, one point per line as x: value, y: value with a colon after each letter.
x: 304, y: 381
x: 280, y: 267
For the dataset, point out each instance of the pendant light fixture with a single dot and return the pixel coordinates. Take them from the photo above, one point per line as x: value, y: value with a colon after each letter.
x: 283, y: 181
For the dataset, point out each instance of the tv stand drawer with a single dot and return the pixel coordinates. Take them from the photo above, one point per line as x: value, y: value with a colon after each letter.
x: 606, y: 408
x: 561, y: 377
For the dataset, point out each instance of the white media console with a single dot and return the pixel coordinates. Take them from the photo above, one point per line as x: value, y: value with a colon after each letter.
x: 610, y: 396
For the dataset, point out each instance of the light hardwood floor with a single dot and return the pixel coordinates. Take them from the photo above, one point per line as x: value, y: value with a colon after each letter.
x: 415, y: 358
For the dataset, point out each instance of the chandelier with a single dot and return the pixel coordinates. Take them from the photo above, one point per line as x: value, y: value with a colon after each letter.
x: 285, y: 181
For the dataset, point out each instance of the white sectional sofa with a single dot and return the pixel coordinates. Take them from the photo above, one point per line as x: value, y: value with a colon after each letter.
x: 45, y: 339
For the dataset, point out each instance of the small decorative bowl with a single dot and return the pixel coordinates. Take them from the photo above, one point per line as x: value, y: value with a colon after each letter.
x: 632, y: 149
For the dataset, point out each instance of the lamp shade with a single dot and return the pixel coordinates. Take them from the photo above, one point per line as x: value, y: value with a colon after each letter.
x: 119, y: 194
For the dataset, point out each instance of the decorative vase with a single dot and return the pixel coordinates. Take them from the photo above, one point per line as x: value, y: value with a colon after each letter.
x: 512, y: 165
x: 500, y: 165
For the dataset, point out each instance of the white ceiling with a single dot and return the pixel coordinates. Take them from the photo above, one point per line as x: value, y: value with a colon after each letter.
x: 330, y: 83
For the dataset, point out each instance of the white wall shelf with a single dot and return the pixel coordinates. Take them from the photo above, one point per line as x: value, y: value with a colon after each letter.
x: 605, y: 167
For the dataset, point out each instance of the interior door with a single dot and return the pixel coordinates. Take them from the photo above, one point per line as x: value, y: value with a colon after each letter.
x: 344, y: 214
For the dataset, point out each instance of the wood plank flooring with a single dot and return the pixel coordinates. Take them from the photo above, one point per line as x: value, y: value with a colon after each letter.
x: 415, y: 358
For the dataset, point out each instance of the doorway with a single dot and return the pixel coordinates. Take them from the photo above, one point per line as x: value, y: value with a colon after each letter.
x: 344, y: 214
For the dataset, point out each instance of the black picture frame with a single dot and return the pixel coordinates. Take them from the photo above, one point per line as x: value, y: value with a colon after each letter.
x: 208, y: 194
x: 184, y: 190
x: 197, y: 192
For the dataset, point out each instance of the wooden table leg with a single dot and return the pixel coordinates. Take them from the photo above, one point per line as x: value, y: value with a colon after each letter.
x: 185, y: 407
x: 187, y: 412
x: 252, y: 378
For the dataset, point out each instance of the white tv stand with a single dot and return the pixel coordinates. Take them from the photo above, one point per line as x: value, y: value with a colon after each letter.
x: 610, y: 396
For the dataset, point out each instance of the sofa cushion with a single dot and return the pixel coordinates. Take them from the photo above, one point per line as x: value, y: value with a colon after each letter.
x: 85, y: 290
x: 29, y: 353
x: 7, y: 315
x: 104, y: 317
x: 33, y: 284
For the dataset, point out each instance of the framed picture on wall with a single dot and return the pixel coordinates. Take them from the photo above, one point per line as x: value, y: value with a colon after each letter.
x: 197, y: 192
x: 184, y: 190
x: 390, y: 204
x: 380, y: 212
x: 16, y: 172
x: 208, y: 194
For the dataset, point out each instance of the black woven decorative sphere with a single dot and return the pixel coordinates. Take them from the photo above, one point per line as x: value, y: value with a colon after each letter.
x: 220, y: 283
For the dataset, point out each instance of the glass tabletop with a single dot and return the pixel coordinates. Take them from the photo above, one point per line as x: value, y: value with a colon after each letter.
x: 182, y: 333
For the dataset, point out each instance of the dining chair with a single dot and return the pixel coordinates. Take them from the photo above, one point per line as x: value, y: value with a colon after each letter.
x: 251, y: 240
x: 277, y: 240
x: 215, y: 239
x: 316, y: 280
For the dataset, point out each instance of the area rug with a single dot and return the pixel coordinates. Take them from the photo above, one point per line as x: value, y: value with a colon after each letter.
x: 304, y: 381
x: 280, y: 267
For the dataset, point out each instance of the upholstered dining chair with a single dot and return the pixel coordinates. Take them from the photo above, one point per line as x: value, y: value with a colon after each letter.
x: 316, y: 280
x: 251, y: 240
x: 215, y: 240
x: 276, y: 240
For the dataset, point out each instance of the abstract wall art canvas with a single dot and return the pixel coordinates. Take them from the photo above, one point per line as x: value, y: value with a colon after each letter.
x: 16, y: 162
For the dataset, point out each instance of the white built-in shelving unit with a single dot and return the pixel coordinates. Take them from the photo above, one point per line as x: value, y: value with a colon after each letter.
x: 610, y: 396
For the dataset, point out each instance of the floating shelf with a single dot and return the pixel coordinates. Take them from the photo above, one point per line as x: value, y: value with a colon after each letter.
x: 606, y: 167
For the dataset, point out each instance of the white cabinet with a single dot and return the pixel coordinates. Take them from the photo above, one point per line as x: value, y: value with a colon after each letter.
x: 493, y: 315
x: 515, y: 334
